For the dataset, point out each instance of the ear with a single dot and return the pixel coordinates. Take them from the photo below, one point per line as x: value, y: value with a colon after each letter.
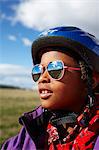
x: 95, y: 79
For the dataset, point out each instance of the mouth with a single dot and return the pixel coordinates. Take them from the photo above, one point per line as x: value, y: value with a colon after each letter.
x: 45, y: 93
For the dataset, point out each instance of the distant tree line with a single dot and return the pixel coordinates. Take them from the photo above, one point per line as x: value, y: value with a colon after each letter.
x: 9, y: 87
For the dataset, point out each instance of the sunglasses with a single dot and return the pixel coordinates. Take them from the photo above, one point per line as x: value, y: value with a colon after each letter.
x: 55, y: 70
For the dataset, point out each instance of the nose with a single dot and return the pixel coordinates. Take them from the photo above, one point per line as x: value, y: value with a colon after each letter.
x: 44, y: 78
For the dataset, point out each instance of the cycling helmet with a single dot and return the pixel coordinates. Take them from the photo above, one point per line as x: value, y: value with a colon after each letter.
x: 79, y: 41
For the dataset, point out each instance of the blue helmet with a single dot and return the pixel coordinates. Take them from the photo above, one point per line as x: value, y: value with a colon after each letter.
x: 79, y: 41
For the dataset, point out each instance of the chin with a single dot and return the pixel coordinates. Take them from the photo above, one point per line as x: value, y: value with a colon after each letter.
x: 47, y: 105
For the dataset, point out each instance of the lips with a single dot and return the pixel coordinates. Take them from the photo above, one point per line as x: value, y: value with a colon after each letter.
x: 45, y: 93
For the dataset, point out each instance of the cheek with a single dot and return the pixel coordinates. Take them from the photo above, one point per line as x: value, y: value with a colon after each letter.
x: 65, y: 86
x: 60, y: 89
x: 61, y: 93
x: 69, y: 91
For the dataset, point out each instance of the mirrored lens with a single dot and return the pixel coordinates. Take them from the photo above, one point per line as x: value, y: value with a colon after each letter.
x: 36, y: 72
x: 55, y: 69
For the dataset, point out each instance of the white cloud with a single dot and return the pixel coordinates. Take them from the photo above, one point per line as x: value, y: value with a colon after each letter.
x: 3, y: 16
x: 10, y: 69
x: 16, y: 75
x: 26, y: 42
x: 12, y: 37
x: 41, y: 14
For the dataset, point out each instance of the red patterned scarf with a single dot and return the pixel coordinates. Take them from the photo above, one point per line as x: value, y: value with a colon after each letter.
x: 81, y: 137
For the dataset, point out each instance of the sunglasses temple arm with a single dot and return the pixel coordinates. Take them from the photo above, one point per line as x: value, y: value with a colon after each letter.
x: 72, y: 68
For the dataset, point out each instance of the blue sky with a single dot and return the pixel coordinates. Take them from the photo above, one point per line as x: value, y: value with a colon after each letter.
x: 22, y: 20
x: 14, y: 49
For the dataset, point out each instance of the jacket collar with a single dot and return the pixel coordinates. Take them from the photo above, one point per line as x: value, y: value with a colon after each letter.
x: 35, y: 123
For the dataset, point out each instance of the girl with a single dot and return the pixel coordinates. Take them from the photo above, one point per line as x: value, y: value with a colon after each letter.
x: 66, y: 69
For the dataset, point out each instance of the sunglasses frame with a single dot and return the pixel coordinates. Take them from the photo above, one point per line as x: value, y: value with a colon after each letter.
x: 64, y: 67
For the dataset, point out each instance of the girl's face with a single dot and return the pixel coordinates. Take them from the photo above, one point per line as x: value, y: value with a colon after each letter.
x: 68, y: 93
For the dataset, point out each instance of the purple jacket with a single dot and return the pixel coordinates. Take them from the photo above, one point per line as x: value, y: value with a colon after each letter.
x: 33, y: 135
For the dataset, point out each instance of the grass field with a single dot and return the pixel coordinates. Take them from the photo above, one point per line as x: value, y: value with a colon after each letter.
x: 13, y: 103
